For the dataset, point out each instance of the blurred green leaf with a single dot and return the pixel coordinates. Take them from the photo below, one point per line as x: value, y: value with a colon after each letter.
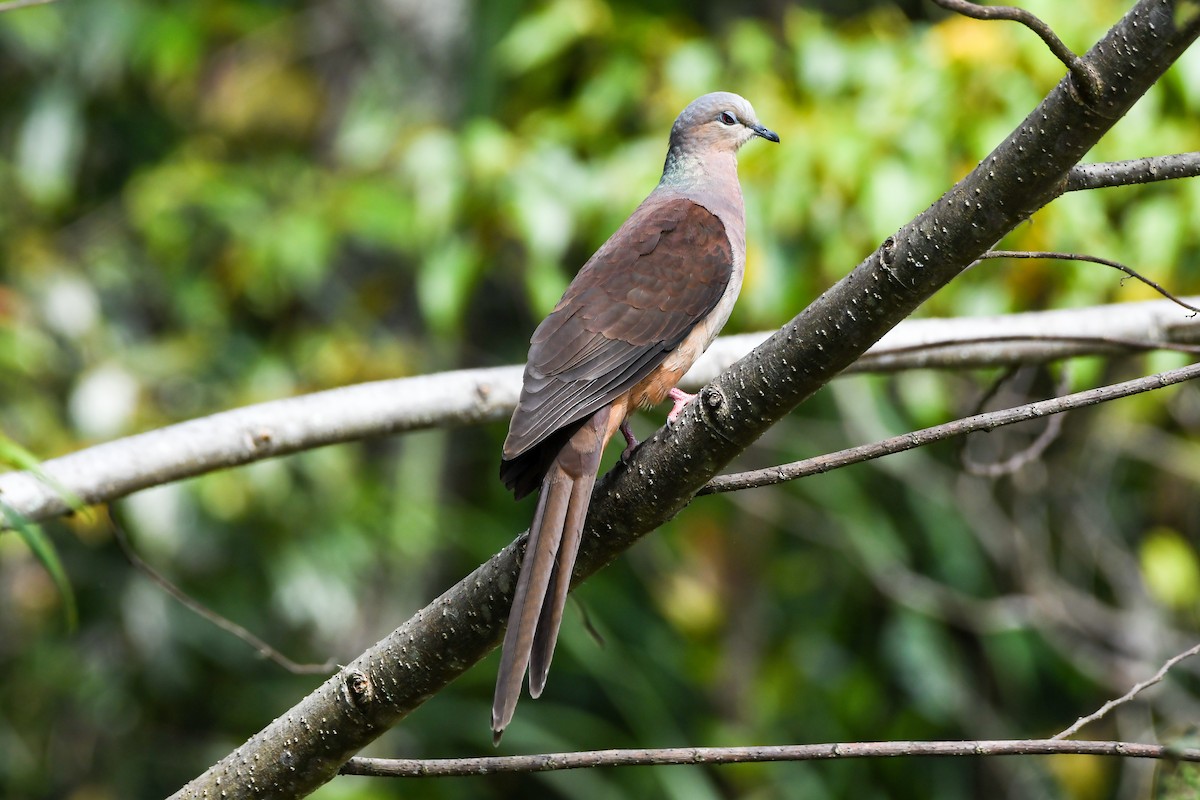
x: 925, y: 665
x: 544, y: 35
x: 13, y: 455
x: 50, y: 146
x: 43, y: 550
x: 1170, y: 569
x: 445, y: 284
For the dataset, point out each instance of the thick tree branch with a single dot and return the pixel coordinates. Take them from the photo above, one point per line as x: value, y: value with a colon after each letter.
x: 306, y: 746
x: 244, y: 435
x: 115, y: 469
x: 548, y: 762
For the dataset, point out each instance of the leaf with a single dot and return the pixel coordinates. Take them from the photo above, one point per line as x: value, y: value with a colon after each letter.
x: 1170, y: 569
x: 34, y: 537
x: 444, y: 283
x: 1178, y: 780
x: 43, y: 549
x: 541, y: 37
x: 18, y: 457
x: 50, y: 146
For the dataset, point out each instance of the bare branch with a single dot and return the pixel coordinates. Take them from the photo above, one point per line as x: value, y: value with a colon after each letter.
x: 201, y: 610
x: 1139, y: 170
x: 1027, y: 455
x: 1085, y: 75
x: 1132, y: 693
x: 978, y: 422
x: 118, y: 468
x: 547, y: 762
x: 241, y: 436
x: 1108, y: 262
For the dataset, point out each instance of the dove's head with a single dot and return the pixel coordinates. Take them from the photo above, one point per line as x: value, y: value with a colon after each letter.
x: 720, y: 121
x: 706, y: 137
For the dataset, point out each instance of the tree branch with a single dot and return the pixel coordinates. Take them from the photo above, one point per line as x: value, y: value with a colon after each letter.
x: 1084, y: 73
x: 199, y: 609
x: 112, y: 470
x: 979, y: 422
x: 1026, y: 455
x: 1106, y: 262
x: 1139, y: 170
x: 547, y: 762
x: 241, y: 436
x: 999, y: 341
x: 1137, y: 689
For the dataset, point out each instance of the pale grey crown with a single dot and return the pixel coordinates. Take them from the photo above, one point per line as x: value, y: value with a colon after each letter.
x: 718, y: 121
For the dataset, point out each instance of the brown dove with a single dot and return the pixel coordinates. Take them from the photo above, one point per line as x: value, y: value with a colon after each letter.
x: 631, y: 323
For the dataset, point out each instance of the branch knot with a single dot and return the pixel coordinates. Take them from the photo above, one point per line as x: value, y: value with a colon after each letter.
x: 359, y: 690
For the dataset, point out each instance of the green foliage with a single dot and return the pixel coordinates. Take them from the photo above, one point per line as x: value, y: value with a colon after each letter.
x: 208, y: 204
x: 1170, y: 569
x: 43, y: 551
x: 40, y: 546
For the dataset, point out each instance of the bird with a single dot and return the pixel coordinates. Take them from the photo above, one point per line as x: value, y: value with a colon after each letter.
x: 631, y: 323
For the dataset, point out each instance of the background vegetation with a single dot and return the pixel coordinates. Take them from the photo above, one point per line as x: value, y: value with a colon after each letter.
x: 208, y: 204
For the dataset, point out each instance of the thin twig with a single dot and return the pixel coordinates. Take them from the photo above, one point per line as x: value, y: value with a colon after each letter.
x: 1025, y: 456
x: 978, y: 422
x: 547, y: 762
x: 1132, y: 693
x: 1108, y: 262
x: 198, y: 608
x: 1108, y: 174
x: 1095, y: 343
x: 1087, y: 78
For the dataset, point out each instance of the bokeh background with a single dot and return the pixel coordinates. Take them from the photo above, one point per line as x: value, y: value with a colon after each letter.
x: 209, y: 204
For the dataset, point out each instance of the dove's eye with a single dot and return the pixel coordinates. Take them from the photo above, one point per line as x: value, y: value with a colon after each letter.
x: 727, y: 118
